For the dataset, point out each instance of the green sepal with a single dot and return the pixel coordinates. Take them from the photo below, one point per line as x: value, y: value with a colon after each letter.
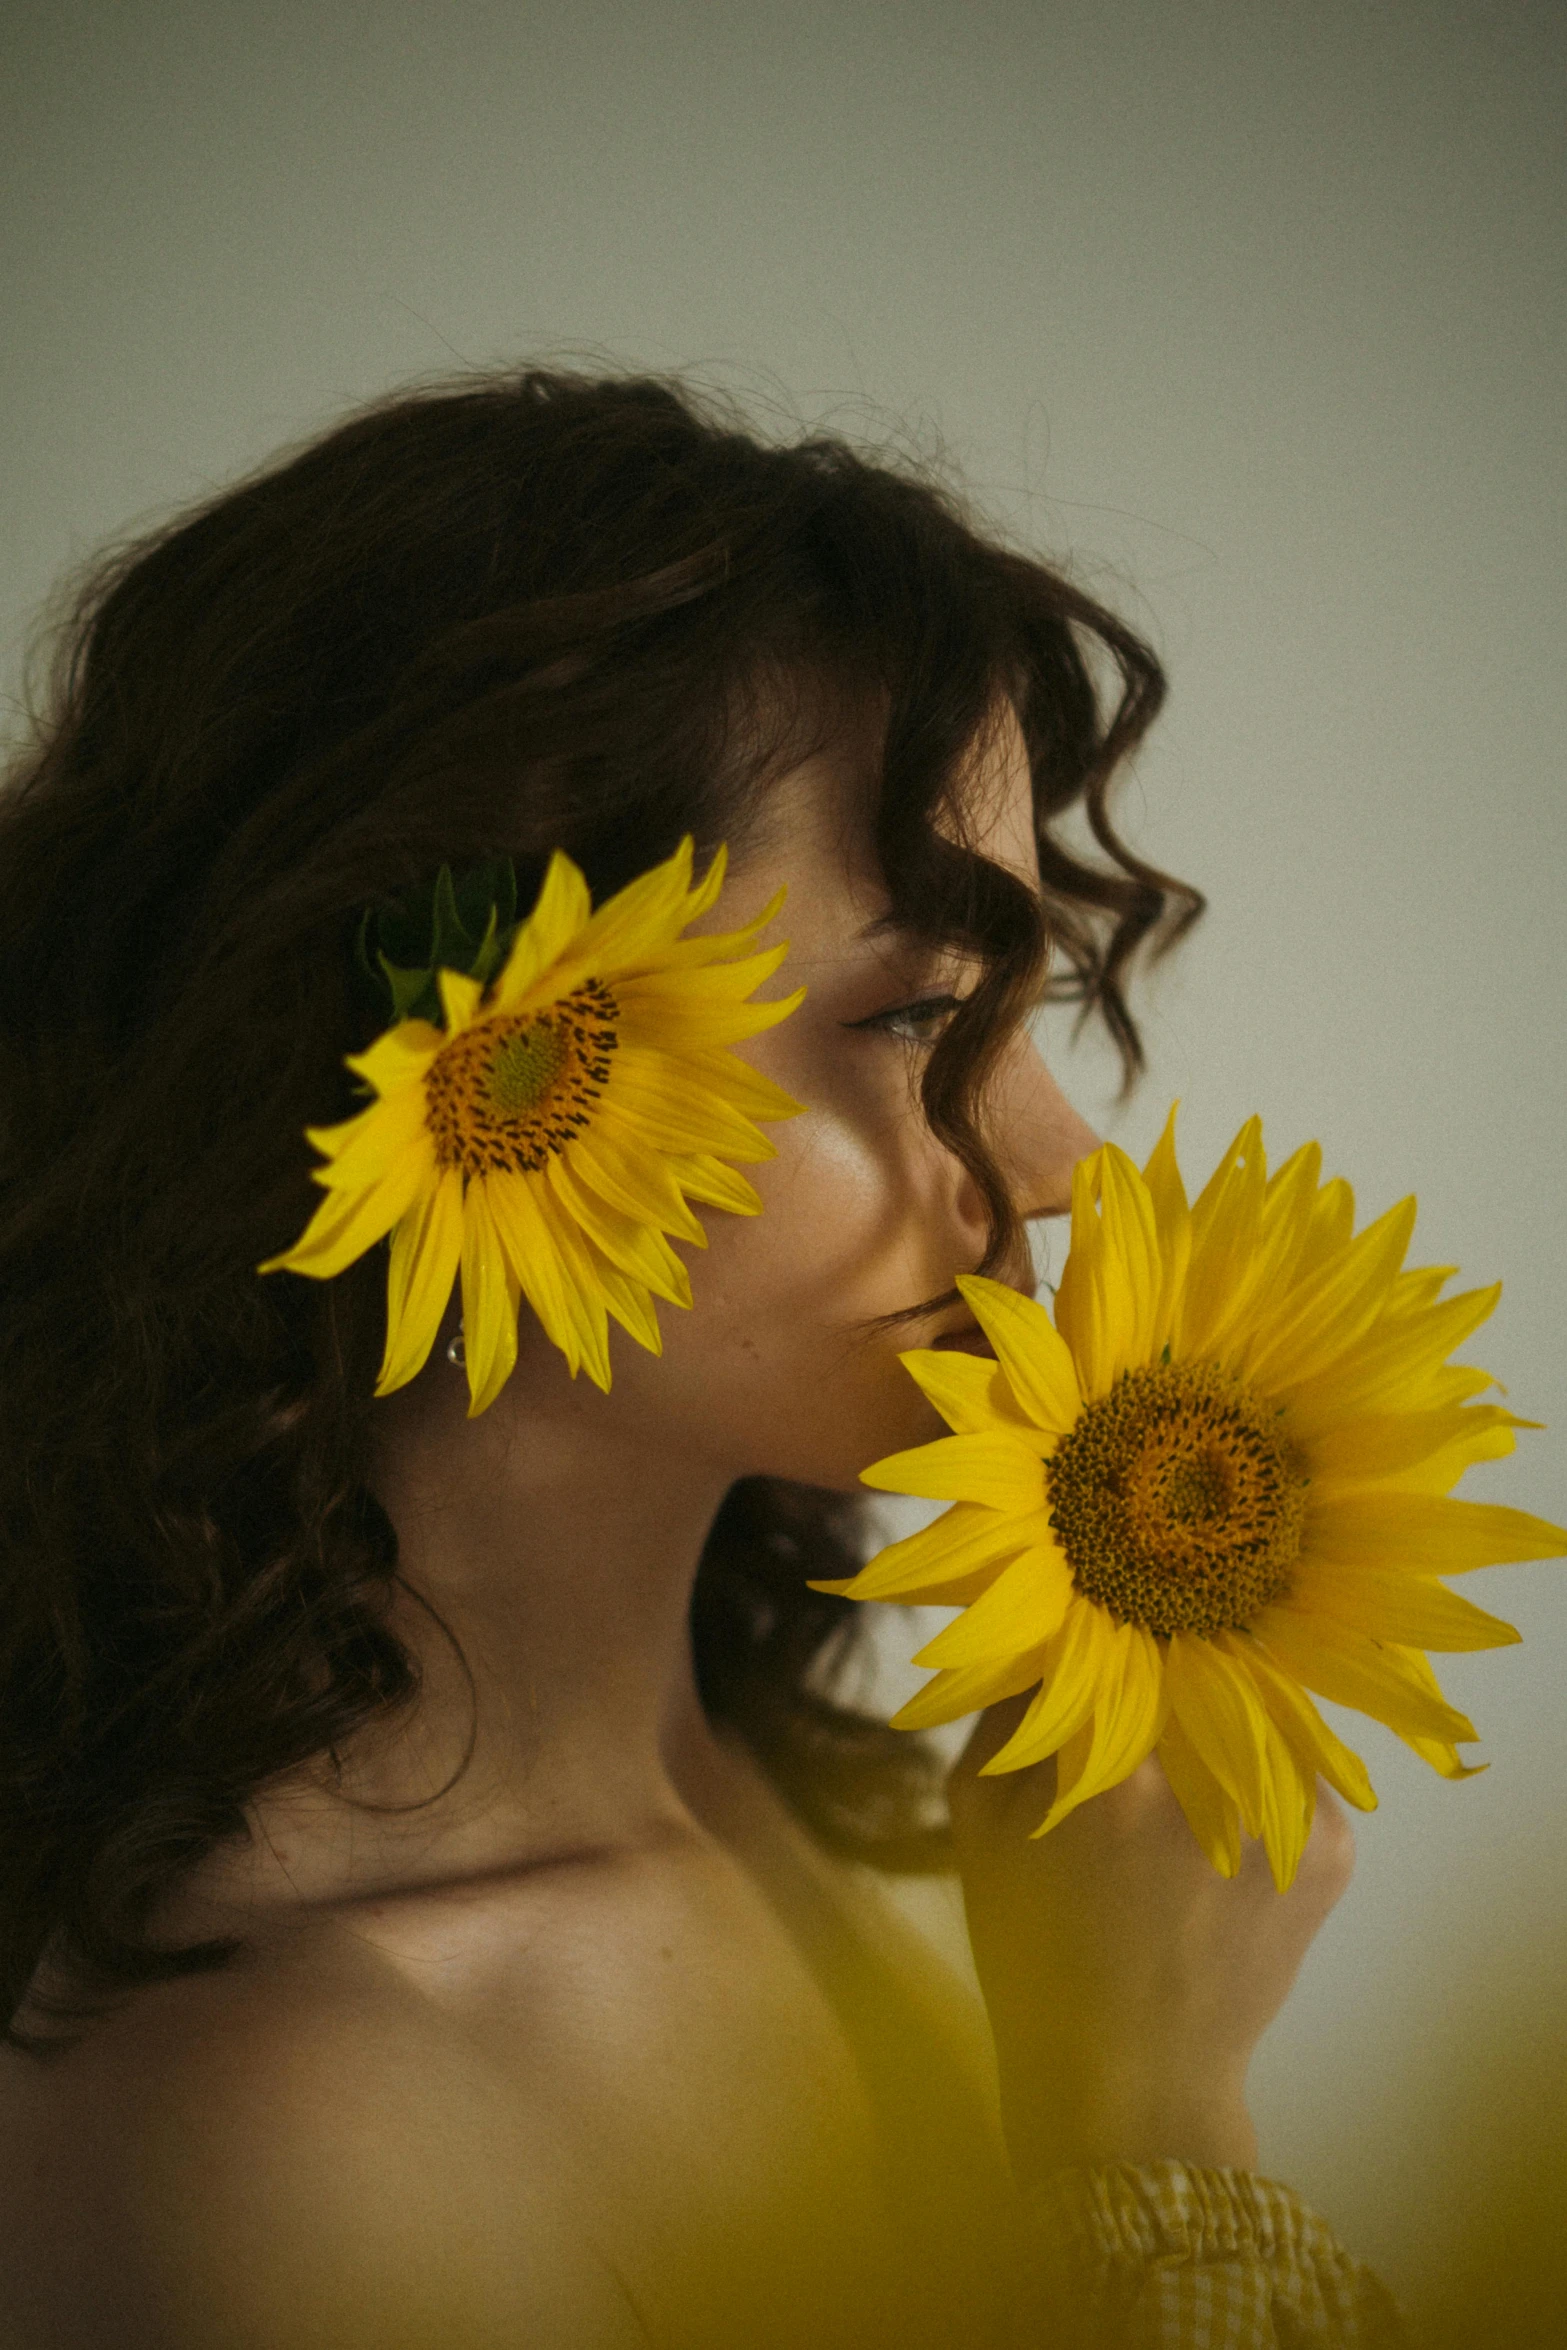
x: 466, y: 923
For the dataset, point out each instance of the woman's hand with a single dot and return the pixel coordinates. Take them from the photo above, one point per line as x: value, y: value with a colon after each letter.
x: 1127, y: 1981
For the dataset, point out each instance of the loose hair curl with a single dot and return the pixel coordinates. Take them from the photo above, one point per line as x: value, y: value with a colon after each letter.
x: 519, y: 612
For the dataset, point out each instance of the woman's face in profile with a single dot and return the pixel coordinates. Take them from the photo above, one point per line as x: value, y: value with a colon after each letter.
x: 773, y: 1371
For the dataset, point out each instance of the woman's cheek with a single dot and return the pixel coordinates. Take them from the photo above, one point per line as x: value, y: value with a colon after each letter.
x: 835, y: 1233
x: 774, y: 1364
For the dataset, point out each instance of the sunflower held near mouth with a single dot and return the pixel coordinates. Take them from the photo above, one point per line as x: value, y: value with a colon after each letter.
x: 1220, y: 1479
x: 546, y: 1140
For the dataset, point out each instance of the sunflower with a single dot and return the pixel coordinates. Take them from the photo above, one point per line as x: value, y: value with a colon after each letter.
x: 548, y: 1138
x: 1219, y: 1480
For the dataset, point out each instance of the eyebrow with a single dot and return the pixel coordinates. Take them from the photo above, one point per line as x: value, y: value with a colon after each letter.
x: 881, y: 925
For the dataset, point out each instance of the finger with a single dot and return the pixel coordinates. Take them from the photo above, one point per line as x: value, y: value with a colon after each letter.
x: 1330, y: 1848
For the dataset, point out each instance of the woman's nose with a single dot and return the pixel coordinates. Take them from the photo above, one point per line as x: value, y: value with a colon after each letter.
x: 1040, y: 1137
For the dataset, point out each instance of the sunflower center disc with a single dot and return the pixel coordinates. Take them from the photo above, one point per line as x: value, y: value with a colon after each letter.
x: 1177, y: 1501
x: 507, y: 1094
x: 525, y: 1068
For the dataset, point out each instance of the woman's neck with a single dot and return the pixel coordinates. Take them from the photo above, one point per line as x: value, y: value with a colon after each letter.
x: 563, y: 1567
x: 559, y: 1557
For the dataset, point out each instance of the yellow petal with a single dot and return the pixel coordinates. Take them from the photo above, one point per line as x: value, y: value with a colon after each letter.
x: 1211, y: 1813
x: 1173, y: 1221
x: 1291, y: 1193
x: 349, y: 1222
x: 638, y: 1185
x: 685, y: 1011
x: 998, y: 1468
x: 1225, y: 1225
x: 583, y: 1291
x: 1283, y: 1225
x: 710, y: 947
x: 1287, y: 1704
x: 560, y: 912
x: 460, y: 996
x: 703, y: 895
x: 1132, y: 1241
x: 530, y: 1250
x: 1443, y: 1756
x: 426, y: 1248
x: 1331, y: 1227
x: 1327, y: 1313
x: 716, y: 1185
x: 1391, y: 1444
x: 1425, y: 1534
x: 1385, y: 1371
x: 697, y: 1073
x: 631, y: 930
x: 1219, y: 1709
x: 1413, y: 1611
x: 715, y: 945
x: 1126, y: 1727
x: 332, y: 1141
x: 399, y: 1058
x: 1440, y: 1471
x: 970, y: 1392
x: 1072, y: 1760
x: 949, y: 1696
x: 1094, y: 1307
x: 1289, y: 1805
x: 642, y: 1104
x: 1418, y: 1287
x: 949, y: 1561
x: 1073, y: 1675
x: 1348, y: 1669
x: 376, y: 1143
x: 635, y: 934
x: 635, y: 1248
x: 715, y: 984
x: 490, y: 1300
x: 1440, y: 1753
x: 1034, y: 1358
x: 627, y: 1300
x: 1450, y: 1384
x: 1019, y: 1611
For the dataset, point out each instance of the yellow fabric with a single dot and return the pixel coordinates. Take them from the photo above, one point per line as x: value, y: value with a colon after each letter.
x: 1171, y: 2256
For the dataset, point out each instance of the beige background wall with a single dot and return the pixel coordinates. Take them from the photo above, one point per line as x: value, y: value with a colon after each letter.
x: 1255, y: 311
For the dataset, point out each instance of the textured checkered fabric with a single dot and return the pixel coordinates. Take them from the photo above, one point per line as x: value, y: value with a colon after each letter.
x: 1167, y: 2256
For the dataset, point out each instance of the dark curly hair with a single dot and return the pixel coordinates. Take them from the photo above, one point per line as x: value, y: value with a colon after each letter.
x: 518, y: 612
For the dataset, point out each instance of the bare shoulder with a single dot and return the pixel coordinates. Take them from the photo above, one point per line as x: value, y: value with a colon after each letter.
x: 278, y: 2157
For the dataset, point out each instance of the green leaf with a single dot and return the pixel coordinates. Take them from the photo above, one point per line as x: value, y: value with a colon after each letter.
x: 465, y: 922
x: 451, y: 948
x: 415, y: 995
x: 490, y: 886
x: 487, y: 956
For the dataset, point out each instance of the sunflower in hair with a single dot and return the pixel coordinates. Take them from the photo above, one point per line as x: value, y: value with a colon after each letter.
x: 1218, y: 1480
x: 546, y: 1138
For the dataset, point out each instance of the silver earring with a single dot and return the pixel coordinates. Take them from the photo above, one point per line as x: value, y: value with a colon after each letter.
x: 456, y: 1352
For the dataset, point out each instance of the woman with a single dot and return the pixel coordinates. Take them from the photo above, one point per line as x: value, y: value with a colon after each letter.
x: 439, y: 1895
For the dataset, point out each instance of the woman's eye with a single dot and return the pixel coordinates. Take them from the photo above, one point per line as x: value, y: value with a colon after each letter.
x: 919, y: 1023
